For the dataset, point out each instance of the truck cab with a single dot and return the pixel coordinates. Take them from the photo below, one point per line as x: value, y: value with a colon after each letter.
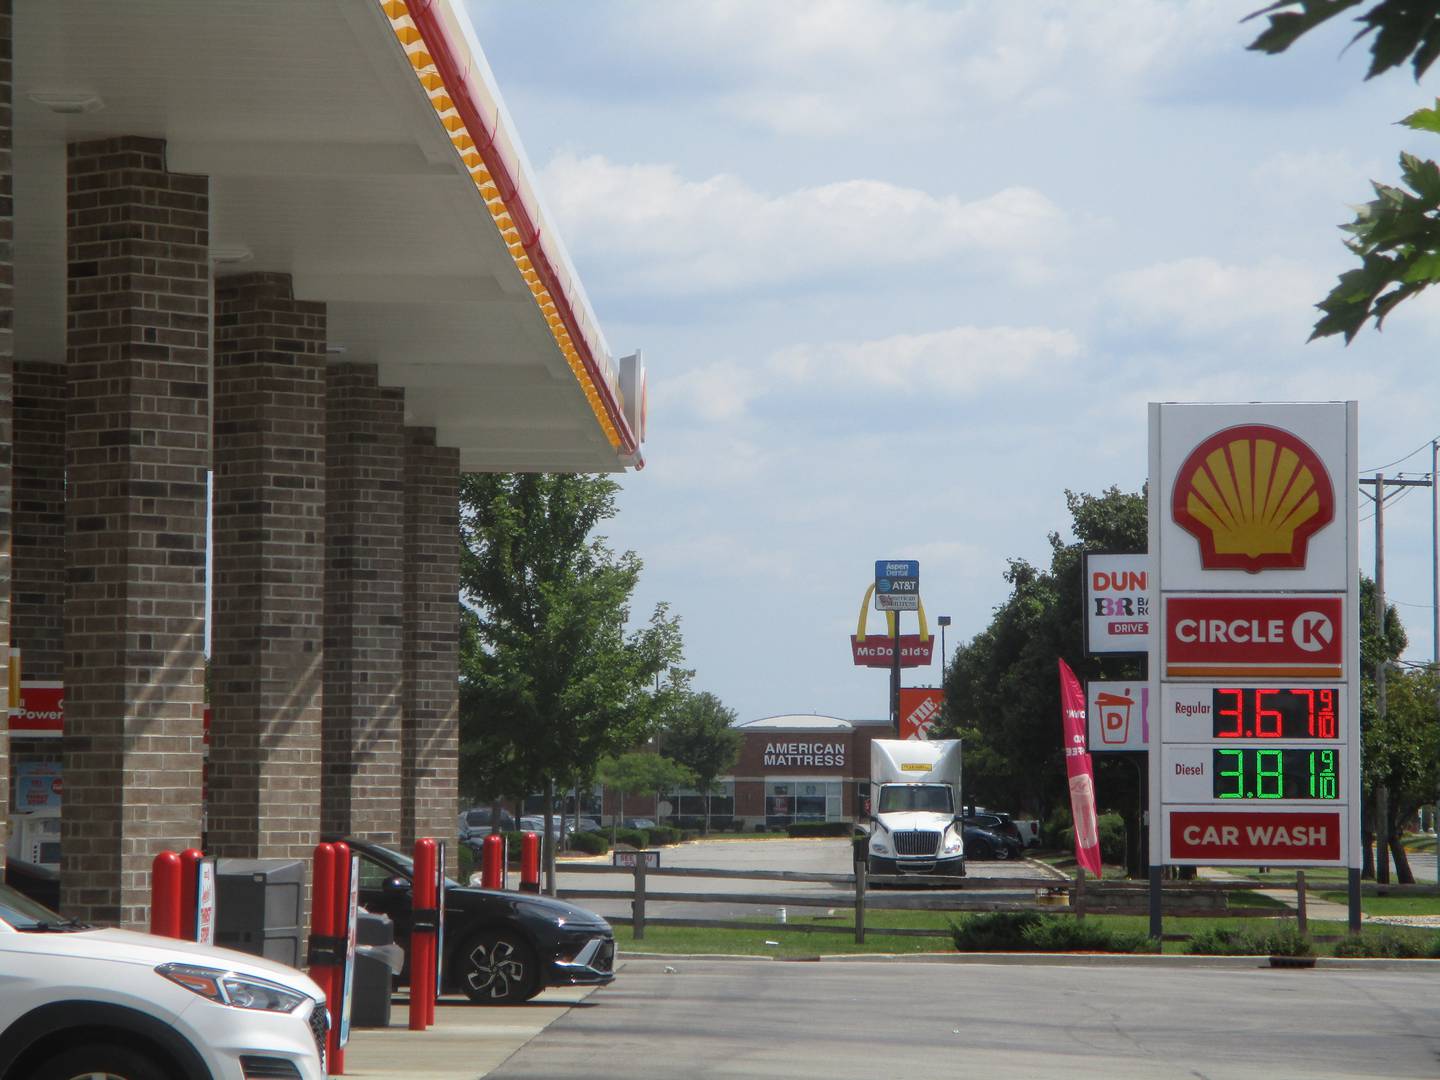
x: 914, y: 824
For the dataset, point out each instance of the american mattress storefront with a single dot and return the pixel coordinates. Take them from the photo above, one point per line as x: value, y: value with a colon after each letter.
x: 802, y: 769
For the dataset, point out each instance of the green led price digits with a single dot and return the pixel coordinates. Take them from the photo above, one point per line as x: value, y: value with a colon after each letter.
x: 1280, y: 773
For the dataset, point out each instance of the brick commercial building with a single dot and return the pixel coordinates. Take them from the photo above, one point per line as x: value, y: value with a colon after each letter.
x: 277, y: 269
x: 793, y: 769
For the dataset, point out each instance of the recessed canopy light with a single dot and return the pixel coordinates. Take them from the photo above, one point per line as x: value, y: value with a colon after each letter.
x: 68, y: 102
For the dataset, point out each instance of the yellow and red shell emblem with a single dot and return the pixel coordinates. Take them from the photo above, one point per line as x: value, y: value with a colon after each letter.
x: 1253, y: 496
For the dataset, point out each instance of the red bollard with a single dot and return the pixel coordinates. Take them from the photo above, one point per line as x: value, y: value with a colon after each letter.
x: 340, y: 927
x: 322, y: 933
x: 425, y: 921
x: 190, y: 860
x: 492, y: 862
x: 530, y: 863
x: 165, y: 895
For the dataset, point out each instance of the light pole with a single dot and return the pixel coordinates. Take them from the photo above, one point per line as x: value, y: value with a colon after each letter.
x: 944, y: 621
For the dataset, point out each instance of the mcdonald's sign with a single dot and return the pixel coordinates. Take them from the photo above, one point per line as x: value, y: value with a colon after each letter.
x: 878, y: 650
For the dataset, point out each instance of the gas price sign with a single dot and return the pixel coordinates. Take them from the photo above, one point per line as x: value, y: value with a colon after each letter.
x: 1252, y: 712
x: 1253, y: 772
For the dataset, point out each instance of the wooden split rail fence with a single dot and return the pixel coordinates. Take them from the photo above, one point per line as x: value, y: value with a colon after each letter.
x: 961, y: 895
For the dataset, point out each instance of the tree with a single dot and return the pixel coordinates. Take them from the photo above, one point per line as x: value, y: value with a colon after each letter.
x: 641, y: 772
x: 1002, y: 692
x: 550, y: 681
x: 1396, y: 234
x: 700, y: 734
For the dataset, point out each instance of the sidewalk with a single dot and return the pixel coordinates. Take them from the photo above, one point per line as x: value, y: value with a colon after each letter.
x: 466, y: 1042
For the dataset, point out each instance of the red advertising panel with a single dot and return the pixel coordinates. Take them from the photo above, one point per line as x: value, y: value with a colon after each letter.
x: 1305, y: 836
x: 41, y: 712
x: 1079, y: 771
x: 919, y: 711
x: 1257, y: 636
x: 874, y: 650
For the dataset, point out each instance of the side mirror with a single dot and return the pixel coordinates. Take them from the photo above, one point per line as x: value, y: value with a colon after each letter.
x: 397, y: 886
x: 865, y: 807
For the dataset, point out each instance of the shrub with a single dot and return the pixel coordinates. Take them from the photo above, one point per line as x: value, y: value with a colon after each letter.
x: 591, y: 843
x: 821, y: 828
x: 1385, y: 943
x: 1227, y: 941
x: 1055, y: 933
x: 665, y: 834
x: 993, y: 931
x: 636, y: 838
x: 1033, y: 931
x: 1289, y: 940
x: 1111, y: 827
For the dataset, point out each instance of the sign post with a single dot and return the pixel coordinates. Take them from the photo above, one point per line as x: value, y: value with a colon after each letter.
x: 897, y: 589
x: 1255, y: 691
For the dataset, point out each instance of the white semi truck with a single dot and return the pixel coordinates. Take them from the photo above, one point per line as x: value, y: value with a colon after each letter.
x: 913, y: 821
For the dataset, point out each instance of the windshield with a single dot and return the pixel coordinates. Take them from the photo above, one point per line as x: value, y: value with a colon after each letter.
x: 932, y: 798
x: 25, y: 914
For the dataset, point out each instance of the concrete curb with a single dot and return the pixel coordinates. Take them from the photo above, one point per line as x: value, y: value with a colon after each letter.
x: 1231, y: 963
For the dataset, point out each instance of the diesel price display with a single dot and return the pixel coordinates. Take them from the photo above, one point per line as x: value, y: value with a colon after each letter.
x: 1252, y: 772
x: 1249, y: 712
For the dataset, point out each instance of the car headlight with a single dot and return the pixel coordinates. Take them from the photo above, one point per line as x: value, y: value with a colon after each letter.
x: 233, y: 989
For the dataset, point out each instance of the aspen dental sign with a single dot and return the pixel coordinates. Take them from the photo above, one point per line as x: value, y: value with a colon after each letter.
x: 1256, y: 663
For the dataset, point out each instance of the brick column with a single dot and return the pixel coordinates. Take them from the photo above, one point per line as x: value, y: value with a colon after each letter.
x: 269, y: 577
x: 7, y: 360
x: 137, y: 447
x: 430, y: 747
x: 364, y: 609
x: 37, y: 614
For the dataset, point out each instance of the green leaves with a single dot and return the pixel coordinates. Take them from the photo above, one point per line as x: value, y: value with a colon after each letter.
x: 1397, y: 236
x: 1400, y: 30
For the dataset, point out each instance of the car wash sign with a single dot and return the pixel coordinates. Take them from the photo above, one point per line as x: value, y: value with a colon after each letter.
x: 1252, y: 531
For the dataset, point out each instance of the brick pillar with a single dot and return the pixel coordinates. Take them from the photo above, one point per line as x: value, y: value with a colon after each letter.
x: 364, y: 608
x: 269, y: 576
x: 137, y: 447
x: 430, y: 747
x: 37, y: 618
x: 7, y: 360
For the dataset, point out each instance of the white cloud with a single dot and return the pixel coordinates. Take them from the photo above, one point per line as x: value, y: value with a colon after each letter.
x: 958, y: 361
x: 843, y: 67
x: 1201, y: 296
x: 669, y: 234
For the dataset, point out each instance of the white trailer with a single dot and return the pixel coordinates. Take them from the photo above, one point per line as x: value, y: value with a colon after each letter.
x: 914, y: 810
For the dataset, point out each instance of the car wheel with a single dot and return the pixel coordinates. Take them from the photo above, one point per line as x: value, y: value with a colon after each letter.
x: 981, y: 849
x: 499, y: 968
x: 1002, y: 852
x: 102, y: 1061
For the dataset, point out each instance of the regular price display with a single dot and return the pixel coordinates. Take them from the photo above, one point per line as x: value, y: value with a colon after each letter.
x: 1255, y: 772
x: 1249, y: 712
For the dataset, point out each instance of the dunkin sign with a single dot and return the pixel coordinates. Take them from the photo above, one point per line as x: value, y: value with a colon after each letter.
x: 1253, y: 496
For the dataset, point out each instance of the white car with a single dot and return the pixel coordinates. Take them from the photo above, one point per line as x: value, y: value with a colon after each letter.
x: 77, y: 1001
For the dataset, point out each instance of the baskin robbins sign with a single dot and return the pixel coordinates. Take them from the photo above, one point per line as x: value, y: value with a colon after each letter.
x: 1253, y: 513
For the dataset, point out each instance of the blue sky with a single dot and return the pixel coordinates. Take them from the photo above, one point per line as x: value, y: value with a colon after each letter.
x: 904, y: 272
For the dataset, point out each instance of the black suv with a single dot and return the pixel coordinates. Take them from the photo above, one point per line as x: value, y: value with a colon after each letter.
x: 501, y: 948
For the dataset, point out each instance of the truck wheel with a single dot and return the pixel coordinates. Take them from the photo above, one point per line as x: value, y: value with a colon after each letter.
x: 103, y: 1061
x: 499, y: 968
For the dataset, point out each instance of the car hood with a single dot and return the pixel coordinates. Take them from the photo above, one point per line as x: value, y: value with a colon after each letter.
x: 916, y: 820
x: 544, y: 906
x: 127, y: 946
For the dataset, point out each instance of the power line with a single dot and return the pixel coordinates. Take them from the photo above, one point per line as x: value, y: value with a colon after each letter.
x: 1407, y: 457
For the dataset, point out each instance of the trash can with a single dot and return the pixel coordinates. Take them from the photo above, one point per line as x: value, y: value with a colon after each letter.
x: 258, y: 907
x: 377, y: 961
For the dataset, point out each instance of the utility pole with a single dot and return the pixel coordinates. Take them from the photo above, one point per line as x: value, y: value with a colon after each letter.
x: 1382, y: 793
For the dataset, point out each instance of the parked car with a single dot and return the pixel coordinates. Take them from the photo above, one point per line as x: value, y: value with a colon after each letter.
x: 79, y: 1001
x: 475, y: 822
x: 588, y: 824
x: 638, y: 823
x: 981, y: 844
x: 997, y: 822
x: 39, y: 883
x: 501, y: 948
x: 536, y: 823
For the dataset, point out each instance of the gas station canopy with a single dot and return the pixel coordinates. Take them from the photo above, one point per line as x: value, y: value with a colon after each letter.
x: 361, y: 147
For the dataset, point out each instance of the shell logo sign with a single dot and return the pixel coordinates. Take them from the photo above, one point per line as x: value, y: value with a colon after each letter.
x: 1253, y: 496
